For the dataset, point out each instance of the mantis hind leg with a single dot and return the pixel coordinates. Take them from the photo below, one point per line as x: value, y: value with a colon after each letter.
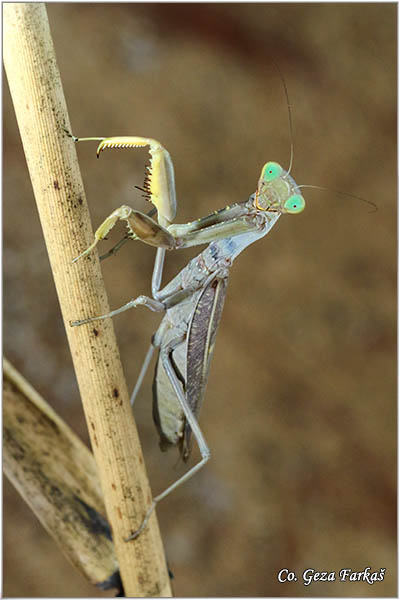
x: 165, y: 357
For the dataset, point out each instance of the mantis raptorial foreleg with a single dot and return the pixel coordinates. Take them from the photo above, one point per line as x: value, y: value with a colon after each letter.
x: 140, y: 227
x: 203, y: 231
x: 159, y: 188
x: 113, y: 251
x: 159, y: 184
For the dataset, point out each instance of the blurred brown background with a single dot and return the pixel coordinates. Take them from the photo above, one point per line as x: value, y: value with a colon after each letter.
x: 300, y: 412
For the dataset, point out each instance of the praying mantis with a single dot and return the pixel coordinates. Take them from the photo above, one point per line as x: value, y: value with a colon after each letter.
x: 192, y: 302
x: 194, y: 299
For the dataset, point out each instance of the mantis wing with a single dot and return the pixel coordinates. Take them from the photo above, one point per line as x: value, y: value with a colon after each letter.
x: 191, y: 361
x: 200, y: 345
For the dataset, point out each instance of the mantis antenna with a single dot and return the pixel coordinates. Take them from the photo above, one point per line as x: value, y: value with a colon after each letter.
x: 340, y: 193
x: 289, y: 115
x: 317, y: 187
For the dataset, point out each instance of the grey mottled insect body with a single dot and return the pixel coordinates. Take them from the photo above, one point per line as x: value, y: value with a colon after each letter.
x: 191, y: 362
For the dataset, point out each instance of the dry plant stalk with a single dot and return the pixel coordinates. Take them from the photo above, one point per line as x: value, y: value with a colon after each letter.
x: 56, y: 475
x: 41, y: 112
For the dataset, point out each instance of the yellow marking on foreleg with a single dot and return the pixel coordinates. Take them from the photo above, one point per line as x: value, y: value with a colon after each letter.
x: 122, y: 212
x: 159, y: 183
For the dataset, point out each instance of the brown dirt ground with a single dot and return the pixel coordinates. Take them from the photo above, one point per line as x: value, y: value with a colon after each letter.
x: 300, y: 411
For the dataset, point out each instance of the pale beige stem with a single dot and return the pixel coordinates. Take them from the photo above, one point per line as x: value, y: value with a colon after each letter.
x: 56, y: 475
x: 41, y: 111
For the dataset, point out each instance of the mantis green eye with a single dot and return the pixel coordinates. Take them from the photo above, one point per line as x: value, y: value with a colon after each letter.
x: 294, y: 204
x: 272, y: 171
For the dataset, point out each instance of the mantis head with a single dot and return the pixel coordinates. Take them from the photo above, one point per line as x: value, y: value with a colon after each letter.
x: 277, y: 191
